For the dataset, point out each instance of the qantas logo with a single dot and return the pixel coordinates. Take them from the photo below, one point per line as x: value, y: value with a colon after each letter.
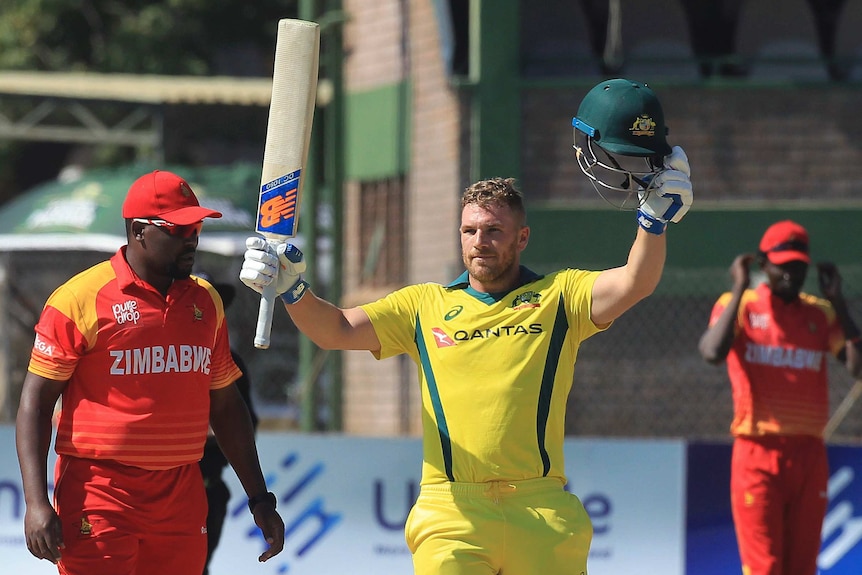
x: 441, y: 338
x: 501, y: 331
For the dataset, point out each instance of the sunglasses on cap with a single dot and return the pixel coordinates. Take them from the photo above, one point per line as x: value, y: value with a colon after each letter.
x: 184, y: 232
x: 793, y: 245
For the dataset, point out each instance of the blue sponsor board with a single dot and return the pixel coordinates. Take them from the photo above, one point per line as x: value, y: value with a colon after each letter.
x: 710, y: 545
x: 710, y: 539
x: 841, y: 552
x: 344, y: 501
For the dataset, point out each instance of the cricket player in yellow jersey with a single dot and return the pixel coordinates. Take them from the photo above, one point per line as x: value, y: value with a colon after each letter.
x: 496, y: 349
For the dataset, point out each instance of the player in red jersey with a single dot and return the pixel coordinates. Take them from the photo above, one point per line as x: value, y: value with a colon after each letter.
x: 137, y: 351
x: 777, y: 340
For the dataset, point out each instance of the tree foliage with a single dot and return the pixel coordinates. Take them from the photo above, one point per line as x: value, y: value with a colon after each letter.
x: 172, y: 37
x: 136, y: 36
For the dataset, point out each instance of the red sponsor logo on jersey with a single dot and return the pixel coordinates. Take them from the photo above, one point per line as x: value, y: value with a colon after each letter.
x: 759, y: 320
x: 41, y: 346
x: 441, y: 338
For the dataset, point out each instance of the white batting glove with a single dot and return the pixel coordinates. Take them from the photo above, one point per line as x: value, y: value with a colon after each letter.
x: 267, y: 262
x: 669, y: 196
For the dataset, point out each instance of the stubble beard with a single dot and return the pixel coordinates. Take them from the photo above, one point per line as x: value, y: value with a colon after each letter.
x: 178, y: 270
x: 177, y: 273
x: 488, y: 273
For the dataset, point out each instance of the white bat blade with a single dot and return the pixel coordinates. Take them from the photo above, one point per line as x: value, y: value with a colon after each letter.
x: 288, y: 133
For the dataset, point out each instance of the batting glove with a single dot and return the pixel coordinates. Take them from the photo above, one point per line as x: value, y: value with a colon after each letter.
x: 669, y: 195
x: 267, y: 262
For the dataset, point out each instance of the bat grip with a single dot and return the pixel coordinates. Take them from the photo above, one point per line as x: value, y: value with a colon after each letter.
x: 264, y: 317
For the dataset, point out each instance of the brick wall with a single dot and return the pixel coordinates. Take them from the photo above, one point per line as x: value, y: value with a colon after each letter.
x: 372, y: 44
x: 382, y: 398
x: 747, y: 142
x: 761, y: 143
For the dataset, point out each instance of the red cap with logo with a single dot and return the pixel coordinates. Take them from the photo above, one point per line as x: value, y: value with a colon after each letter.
x: 785, y: 241
x: 166, y: 196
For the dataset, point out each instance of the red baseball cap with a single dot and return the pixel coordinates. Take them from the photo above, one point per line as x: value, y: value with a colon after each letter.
x: 165, y: 196
x: 785, y: 241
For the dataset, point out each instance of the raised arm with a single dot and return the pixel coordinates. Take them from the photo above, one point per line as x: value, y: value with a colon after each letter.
x: 327, y: 325
x: 716, y: 341
x: 331, y: 327
x: 668, y: 199
x: 830, y: 286
x: 618, y: 289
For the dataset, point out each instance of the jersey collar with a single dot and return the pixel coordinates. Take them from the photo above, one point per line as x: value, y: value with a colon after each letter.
x: 463, y: 282
x: 126, y: 276
x: 765, y: 291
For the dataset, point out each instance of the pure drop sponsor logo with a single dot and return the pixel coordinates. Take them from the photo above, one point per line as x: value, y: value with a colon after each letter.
x: 126, y: 312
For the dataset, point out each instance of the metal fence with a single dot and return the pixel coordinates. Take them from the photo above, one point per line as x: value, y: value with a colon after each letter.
x: 641, y: 378
x: 645, y: 377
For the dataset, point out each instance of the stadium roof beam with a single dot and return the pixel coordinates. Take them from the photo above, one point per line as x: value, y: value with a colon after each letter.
x: 70, y: 106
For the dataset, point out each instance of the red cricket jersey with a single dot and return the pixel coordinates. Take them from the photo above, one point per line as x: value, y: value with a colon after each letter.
x: 139, y: 366
x: 778, y: 362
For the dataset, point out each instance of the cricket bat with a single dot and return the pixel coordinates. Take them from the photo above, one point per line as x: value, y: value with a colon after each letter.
x: 288, y: 133
x: 843, y: 409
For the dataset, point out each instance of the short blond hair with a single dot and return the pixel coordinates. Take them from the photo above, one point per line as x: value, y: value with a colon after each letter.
x: 495, y: 192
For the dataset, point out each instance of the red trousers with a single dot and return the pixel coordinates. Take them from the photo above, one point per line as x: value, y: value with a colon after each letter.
x: 120, y: 520
x: 778, y: 497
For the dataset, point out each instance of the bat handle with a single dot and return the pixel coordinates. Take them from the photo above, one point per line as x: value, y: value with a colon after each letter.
x: 264, y: 317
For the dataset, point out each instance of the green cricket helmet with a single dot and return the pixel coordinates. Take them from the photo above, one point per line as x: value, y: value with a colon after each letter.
x: 620, y: 119
x: 624, y: 117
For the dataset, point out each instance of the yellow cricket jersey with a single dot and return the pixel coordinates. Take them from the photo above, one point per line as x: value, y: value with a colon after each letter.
x: 495, y: 371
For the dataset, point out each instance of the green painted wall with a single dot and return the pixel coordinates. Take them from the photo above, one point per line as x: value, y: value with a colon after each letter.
x: 377, y: 132
x: 496, y: 89
x: 700, y: 248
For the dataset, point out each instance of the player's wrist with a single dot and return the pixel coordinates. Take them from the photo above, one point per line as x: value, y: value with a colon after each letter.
x: 295, y: 292
x: 268, y: 498
x: 650, y: 223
